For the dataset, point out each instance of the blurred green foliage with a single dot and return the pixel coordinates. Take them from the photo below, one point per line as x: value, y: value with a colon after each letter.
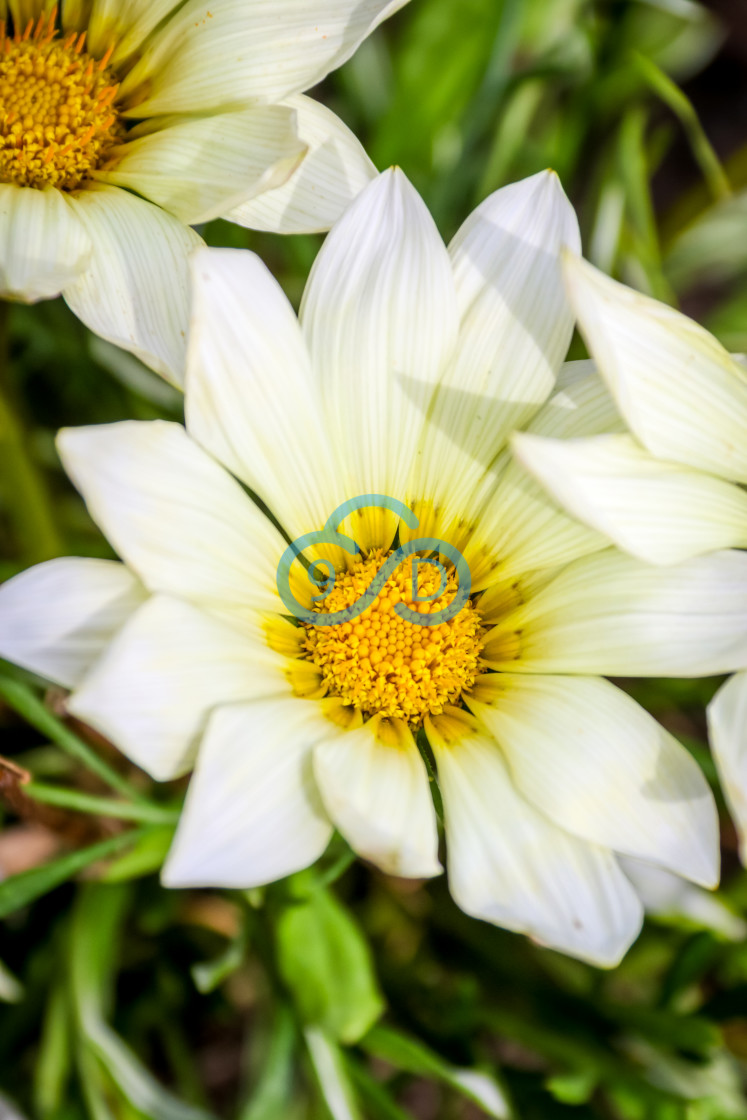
x: 124, y: 1000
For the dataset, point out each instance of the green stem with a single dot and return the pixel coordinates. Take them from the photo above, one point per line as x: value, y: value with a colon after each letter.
x: 24, y: 492
x: 102, y: 806
x: 24, y: 701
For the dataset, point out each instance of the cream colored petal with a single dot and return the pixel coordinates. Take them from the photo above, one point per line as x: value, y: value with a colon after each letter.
x: 661, y: 512
x: 613, y: 615
x: 510, y: 865
x: 152, y: 691
x: 43, y: 245
x: 592, y: 760
x: 58, y: 617
x: 123, y: 24
x: 178, y: 519
x: 334, y: 170
x: 727, y: 731
x: 135, y: 291
x: 201, y: 168
x: 378, y: 796
x: 252, y: 813
x: 380, y: 317
x: 668, y: 896
x: 23, y: 11
x: 683, y: 396
x: 519, y: 525
x: 250, y: 397
x: 516, y: 325
x: 230, y: 52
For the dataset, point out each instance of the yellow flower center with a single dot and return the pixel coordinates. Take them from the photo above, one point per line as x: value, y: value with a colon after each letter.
x: 56, y: 118
x: 382, y: 663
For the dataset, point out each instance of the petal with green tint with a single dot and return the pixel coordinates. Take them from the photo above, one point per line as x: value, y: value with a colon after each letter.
x: 614, y: 615
x: 43, y: 244
x: 199, y: 169
x: 658, y: 510
x: 681, y: 393
x: 134, y: 291
x: 234, y: 52
x: 727, y: 732
x: 334, y: 170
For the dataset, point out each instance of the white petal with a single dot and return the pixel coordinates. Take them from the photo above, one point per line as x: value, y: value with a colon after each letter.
x: 669, y: 896
x: 512, y: 866
x: 380, y: 316
x: 727, y: 730
x: 377, y: 794
x: 659, y: 511
x: 201, y: 168
x: 123, y: 24
x: 250, y: 397
x: 334, y: 170
x: 178, y: 519
x: 57, y: 618
x: 43, y: 246
x: 154, y: 687
x: 237, y: 52
x: 516, y: 325
x: 680, y: 392
x: 519, y: 523
x: 613, y: 615
x: 592, y: 760
x: 134, y: 291
x: 252, y: 812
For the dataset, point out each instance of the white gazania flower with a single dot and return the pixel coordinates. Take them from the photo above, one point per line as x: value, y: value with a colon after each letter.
x: 672, y: 487
x: 127, y: 121
x: 410, y: 366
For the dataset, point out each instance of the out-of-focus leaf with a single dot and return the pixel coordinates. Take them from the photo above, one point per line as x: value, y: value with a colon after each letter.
x: 54, y: 1060
x: 414, y: 1056
x: 272, y: 1095
x: 326, y: 963
x: 145, y: 857
x: 22, y: 889
x: 11, y: 989
x: 331, y: 1075
x: 96, y: 922
x: 207, y: 975
x: 713, y: 249
x: 573, y: 1088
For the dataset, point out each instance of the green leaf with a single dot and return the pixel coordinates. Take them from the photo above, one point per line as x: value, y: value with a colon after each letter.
x: 271, y: 1098
x: 413, y: 1056
x: 331, y: 1075
x: 326, y: 963
x: 145, y: 857
x: 207, y: 975
x: 22, y: 889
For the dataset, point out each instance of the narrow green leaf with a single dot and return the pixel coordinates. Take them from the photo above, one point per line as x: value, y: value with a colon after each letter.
x: 54, y: 1060
x: 331, y: 1075
x: 207, y: 975
x: 271, y: 1098
x: 102, y: 806
x: 410, y: 1054
x: 22, y: 889
x: 144, y: 858
x: 25, y: 701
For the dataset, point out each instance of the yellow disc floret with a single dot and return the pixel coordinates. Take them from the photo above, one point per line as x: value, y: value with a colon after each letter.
x: 382, y: 663
x: 56, y: 118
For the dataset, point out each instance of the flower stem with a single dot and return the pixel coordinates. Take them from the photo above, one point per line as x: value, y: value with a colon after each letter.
x: 23, y: 489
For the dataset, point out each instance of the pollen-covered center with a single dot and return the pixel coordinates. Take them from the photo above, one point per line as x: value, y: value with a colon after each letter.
x: 382, y: 663
x: 56, y: 118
